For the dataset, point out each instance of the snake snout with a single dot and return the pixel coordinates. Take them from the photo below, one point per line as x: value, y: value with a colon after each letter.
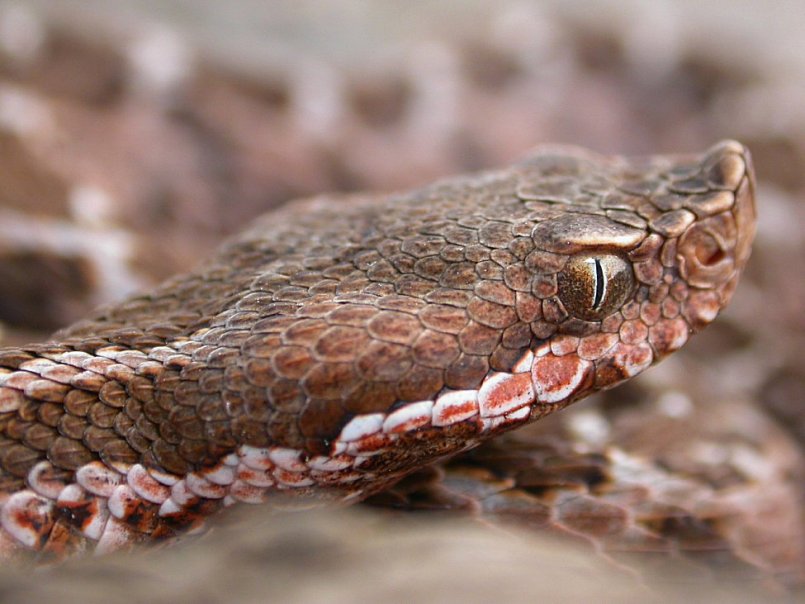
x: 714, y: 249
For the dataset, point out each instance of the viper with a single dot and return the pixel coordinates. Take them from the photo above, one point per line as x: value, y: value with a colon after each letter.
x: 343, y: 342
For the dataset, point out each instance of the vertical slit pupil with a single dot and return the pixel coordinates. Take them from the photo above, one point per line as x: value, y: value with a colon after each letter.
x: 600, y: 284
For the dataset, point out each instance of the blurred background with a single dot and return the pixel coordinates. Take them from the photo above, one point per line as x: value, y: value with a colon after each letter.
x: 135, y: 135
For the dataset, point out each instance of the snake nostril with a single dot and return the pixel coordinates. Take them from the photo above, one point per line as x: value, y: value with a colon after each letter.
x: 711, y: 257
x: 708, y: 252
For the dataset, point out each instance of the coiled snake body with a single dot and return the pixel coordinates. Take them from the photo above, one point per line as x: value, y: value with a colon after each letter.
x: 339, y: 344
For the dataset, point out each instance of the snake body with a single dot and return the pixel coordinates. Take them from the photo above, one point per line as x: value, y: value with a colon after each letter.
x: 341, y: 343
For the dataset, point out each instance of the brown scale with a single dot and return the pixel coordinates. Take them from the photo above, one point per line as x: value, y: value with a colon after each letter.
x: 334, y: 308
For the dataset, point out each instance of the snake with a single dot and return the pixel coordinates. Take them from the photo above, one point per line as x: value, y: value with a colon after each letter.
x: 341, y: 343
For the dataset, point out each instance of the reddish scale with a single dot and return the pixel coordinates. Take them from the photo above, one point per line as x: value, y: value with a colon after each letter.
x: 454, y: 407
x: 558, y: 378
x: 505, y: 392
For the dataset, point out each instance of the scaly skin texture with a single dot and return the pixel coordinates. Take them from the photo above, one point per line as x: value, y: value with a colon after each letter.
x: 339, y: 344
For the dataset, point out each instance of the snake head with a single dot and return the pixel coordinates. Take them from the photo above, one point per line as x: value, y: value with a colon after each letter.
x: 600, y: 267
x: 653, y: 258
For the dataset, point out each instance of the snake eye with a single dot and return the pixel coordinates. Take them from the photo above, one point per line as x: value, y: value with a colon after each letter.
x: 592, y: 287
